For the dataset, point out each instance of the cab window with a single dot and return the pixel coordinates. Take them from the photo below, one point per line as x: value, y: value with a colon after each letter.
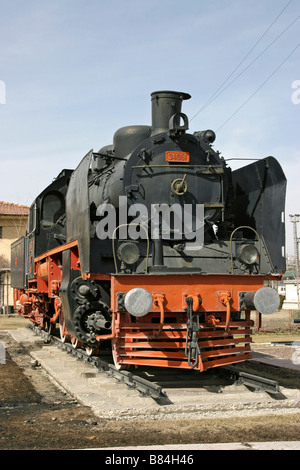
x: 52, y: 208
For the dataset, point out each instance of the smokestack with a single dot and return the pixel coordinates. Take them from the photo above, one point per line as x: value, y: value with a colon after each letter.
x: 166, y: 104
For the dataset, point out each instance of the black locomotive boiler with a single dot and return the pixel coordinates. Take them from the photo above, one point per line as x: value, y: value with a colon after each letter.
x: 155, y: 247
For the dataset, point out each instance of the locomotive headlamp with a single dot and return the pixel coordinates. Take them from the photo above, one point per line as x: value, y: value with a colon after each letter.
x: 138, y: 302
x: 128, y: 252
x: 249, y: 254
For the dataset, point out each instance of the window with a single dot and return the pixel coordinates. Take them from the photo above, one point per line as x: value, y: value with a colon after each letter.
x: 32, y: 218
x: 52, y: 208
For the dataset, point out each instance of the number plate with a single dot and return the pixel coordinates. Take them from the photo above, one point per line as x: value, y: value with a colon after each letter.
x: 177, y: 157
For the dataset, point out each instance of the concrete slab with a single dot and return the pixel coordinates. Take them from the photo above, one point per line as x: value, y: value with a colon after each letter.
x: 90, y: 388
x: 268, y: 360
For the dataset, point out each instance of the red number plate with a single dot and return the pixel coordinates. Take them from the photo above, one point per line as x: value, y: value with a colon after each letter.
x: 177, y: 157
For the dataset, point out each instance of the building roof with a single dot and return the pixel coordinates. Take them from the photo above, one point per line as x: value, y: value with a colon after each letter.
x: 291, y: 274
x: 8, y: 208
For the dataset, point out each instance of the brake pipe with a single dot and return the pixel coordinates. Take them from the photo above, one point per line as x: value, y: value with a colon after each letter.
x: 225, y: 298
x: 159, y: 300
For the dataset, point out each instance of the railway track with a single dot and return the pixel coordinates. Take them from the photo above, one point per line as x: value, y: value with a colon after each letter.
x: 150, y: 388
x: 147, y: 393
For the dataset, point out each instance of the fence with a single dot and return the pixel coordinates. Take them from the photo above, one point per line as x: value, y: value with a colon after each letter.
x: 5, y: 292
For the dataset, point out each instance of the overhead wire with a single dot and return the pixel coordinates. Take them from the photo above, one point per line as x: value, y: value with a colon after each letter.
x: 216, y: 94
x: 259, y: 88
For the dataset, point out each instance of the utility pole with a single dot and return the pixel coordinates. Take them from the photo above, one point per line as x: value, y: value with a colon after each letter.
x: 295, y: 219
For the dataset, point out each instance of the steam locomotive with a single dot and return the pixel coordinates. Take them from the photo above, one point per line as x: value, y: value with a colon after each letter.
x: 155, y: 248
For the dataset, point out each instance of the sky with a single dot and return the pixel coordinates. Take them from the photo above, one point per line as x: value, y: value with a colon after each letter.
x: 72, y: 72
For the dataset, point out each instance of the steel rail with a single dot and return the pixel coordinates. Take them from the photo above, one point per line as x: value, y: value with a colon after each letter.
x: 256, y: 382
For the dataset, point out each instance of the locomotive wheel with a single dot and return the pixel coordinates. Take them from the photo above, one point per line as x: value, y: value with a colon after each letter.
x: 89, y: 351
x: 74, y: 342
x: 114, y: 347
x: 115, y: 356
x: 62, y: 328
x: 63, y: 337
x: 48, y: 326
x: 85, y: 321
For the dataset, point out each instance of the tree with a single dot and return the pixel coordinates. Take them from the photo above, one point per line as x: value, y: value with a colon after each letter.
x: 4, y: 262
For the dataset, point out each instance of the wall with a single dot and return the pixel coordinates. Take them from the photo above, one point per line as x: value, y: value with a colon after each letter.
x: 12, y: 227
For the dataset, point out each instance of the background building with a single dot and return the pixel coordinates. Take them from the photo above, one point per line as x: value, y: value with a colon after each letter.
x: 13, y: 225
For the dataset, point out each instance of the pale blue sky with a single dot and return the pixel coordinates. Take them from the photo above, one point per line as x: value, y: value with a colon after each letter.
x: 77, y: 70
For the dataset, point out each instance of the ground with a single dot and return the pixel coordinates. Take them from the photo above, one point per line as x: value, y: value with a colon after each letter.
x: 35, y: 415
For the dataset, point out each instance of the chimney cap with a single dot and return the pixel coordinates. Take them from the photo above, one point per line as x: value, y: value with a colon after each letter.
x: 167, y: 94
